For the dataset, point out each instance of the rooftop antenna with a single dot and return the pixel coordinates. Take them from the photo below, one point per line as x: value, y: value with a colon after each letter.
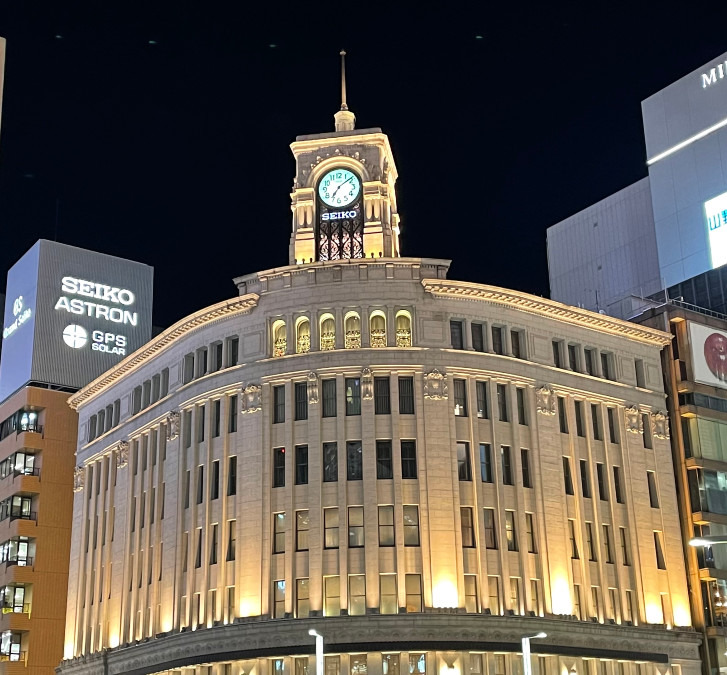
x: 345, y: 119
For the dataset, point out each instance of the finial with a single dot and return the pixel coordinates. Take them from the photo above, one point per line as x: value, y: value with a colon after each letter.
x: 345, y: 119
x: 343, y: 80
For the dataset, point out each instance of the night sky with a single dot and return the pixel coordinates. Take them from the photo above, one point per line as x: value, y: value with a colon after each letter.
x: 159, y: 132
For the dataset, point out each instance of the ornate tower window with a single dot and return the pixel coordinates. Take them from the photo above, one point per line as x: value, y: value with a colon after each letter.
x: 339, y: 226
x: 302, y: 336
x: 280, y: 342
x: 377, y: 326
x: 403, y: 329
x: 328, y: 332
x: 353, y: 331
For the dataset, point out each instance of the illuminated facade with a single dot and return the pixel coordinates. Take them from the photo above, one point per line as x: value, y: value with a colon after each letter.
x: 422, y: 470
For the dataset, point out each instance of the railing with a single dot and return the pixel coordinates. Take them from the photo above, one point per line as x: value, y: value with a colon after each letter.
x: 17, y: 609
x: 19, y: 515
x: 18, y: 656
x: 20, y: 561
x: 35, y: 428
x: 35, y: 471
x: 697, y: 308
x: 353, y: 339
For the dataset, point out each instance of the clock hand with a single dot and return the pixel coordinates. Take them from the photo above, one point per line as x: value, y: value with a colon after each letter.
x: 340, y: 186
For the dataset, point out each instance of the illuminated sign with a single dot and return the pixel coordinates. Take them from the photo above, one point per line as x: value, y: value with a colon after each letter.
x: 21, y: 316
x: 717, y: 73
x: 91, y: 289
x: 339, y: 215
x: 715, y: 211
x: 709, y: 354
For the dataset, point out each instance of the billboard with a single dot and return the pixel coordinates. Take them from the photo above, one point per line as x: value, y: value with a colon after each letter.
x: 70, y: 314
x: 709, y: 354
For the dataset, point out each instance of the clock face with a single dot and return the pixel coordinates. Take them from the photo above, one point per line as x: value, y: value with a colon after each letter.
x: 339, y: 187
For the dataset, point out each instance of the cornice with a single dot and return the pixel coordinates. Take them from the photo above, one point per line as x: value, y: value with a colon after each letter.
x: 159, y: 344
x: 462, y: 290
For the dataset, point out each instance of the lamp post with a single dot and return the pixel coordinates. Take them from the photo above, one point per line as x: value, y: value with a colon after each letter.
x: 527, y: 668
x: 319, y: 650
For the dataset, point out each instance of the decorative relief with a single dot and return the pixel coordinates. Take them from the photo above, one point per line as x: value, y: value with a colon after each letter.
x: 545, y: 400
x: 173, y: 419
x: 367, y: 384
x: 632, y: 417
x: 251, y: 399
x: 78, y: 477
x: 122, y: 454
x: 660, y: 425
x: 435, y: 386
x: 312, y: 388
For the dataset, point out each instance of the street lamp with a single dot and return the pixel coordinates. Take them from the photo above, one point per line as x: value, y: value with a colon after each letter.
x: 319, y: 650
x: 527, y: 668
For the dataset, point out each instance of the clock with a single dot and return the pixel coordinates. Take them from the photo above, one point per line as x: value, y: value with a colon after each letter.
x: 339, y: 187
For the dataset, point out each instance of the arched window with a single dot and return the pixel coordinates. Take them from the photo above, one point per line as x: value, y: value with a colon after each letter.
x: 280, y: 342
x: 403, y: 329
x: 353, y: 331
x: 377, y: 327
x: 302, y: 336
x: 328, y: 332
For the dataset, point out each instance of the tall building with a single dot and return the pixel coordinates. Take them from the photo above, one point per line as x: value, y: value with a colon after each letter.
x: 667, y: 231
x: 67, y: 310
x: 423, y: 471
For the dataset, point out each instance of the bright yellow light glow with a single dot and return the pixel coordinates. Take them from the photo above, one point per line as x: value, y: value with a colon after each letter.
x: 560, y: 591
x: 445, y: 594
x: 654, y: 613
x: 113, y: 640
x: 68, y: 650
x: 249, y: 608
x: 445, y: 669
x: 682, y: 617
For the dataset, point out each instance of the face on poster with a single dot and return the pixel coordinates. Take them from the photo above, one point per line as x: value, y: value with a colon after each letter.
x: 709, y: 354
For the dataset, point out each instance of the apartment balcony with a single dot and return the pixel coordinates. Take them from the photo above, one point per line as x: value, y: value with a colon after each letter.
x: 15, y: 618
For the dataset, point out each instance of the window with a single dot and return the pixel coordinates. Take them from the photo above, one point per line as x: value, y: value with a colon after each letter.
x: 497, y: 342
x: 573, y: 541
x: 617, y: 484
x: 607, y: 544
x: 233, y: 348
x: 356, y: 594
x: 411, y: 525
x: 408, y: 459
x: 355, y: 527
x: 624, y: 547
x: 388, y: 603
x: 585, y: 480
x: 471, y: 602
x: 640, y: 373
x: 330, y: 527
x: 490, y: 529
x: 231, y: 540
x: 279, y: 600
x: 301, y: 400
x: 606, y: 369
x: 522, y: 416
x: 302, y: 336
x: 330, y: 462
x: 596, y: 602
x: 302, y: 526
x: 353, y: 396
x: 460, y: 398
x: 629, y: 608
x: 659, y: 548
x: 506, y: 465
x: 590, y: 355
x: 590, y: 543
x: 187, y: 428
x: 646, y: 423
x: 403, y: 329
x: 483, y: 411
x: 478, y: 339
x: 596, y: 422
x: 406, y: 395
x: 329, y: 398
x: 278, y: 467
x: 516, y: 343
x: 232, y: 476
x: 485, y: 463
x: 612, y: 428
x: 354, y: 460
x: 417, y: 664
x: 353, y: 331
x: 188, y: 376
x: 301, y: 465
x: 468, y: 527
x: 328, y: 332
x: 213, y: 544
x: 562, y: 415
x: 232, y: 414
x: 510, y: 533
x: 413, y: 587
x: 384, y: 463
x: 279, y: 404
x: 279, y: 532
x: 525, y: 462
x: 216, y: 357
x: 386, y: 525
x: 331, y: 597
x: 577, y: 603
x: 653, y: 495
x: 602, y: 487
x: 573, y: 358
x: 187, y: 480
x: 580, y: 427
x: 215, y: 483
x: 464, y: 468
x: 515, y: 595
x: 382, y: 398
x: 493, y: 590
x: 200, y: 423
x: 567, y: 477
x: 502, y: 403
x: 557, y: 354
x: 200, y: 484
x: 455, y: 333
x: 197, y: 557
x: 378, y: 329
x: 535, y: 596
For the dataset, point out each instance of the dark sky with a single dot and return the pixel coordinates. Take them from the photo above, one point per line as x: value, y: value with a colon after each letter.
x: 176, y: 153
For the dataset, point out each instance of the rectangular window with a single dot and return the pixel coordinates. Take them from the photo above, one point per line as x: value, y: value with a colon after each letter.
x: 460, y: 398
x: 590, y: 355
x: 653, y: 494
x: 478, y: 338
x: 498, y: 344
x: 302, y: 526
x: 562, y: 415
x: 612, y: 427
x: 411, y: 525
x: 413, y: 587
x: 216, y: 417
x: 590, y: 543
x: 483, y: 409
x: 301, y: 400
x: 301, y: 465
x: 510, y: 532
x: 464, y: 468
x: 525, y: 462
x: 515, y: 595
x: 200, y: 423
x: 279, y: 404
x: 516, y: 344
x: 567, y: 477
x: 198, y: 554
x: 596, y: 422
x: 388, y: 603
x: 278, y: 467
x: 233, y: 348
x: 408, y: 459
x: 557, y: 354
x: 406, y: 395
x: 530, y: 533
x: 535, y: 596
x: 382, y: 398
x: 595, y: 602
x: 606, y: 370
x: 659, y: 548
x: 328, y: 393
x: 455, y: 334
x: 506, y: 465
x: 331, y: 597
x: 485, y: 463
x: 355, y: 527
x: 624, y: 546
x: 231, y: 540
x: 384, y: 463
x: 386, y: 525
x: 617, y: 484
x: 187, y: 481
x: 330, y: 462
x: 330, y: 527
x: 468, y: 527
x: 585, y: 480
x: 580, y: 426
x: 353, y: 396
x: 646, y: 423
x: 279, y: 601
x: 490, y: 528
x: 232, y: 476
x: 215, y: 483
x: 213, y: 544
x: 629, y: 608
x: 279, y: 532
x: 578, y: 603
x: 602, y: 486
x: 493, y: 593
x: 200, y: 484
x: 232, y: 414
x: 640, y: 373
x: 573, y: 541
x: 357, y: 594
x: 573, y: 358
x: 471, y: 603
x: 354, y: 460
x: 522, y: 416
x: 504, y: 415
x: 607, y: 544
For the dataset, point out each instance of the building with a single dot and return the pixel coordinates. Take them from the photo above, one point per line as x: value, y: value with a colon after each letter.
x: 45, y: 357
x: 422, y: 470
x: 665, y: 231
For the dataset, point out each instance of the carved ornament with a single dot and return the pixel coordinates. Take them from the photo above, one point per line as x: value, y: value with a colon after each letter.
x: 122, y: 454
x: 545, y: 400
x: 79, y: 475
x: 367, y: 384
x: 312, y: 388
x: 435, y: 386
x: 660, y: 424
x: 632, y: 418
x: 173, y: 419
x: 251, y: 399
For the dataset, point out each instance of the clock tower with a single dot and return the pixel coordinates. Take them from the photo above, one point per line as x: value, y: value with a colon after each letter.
x: 344, y: 197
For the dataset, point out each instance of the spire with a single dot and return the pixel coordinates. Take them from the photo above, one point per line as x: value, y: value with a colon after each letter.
x: 345, y: 119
